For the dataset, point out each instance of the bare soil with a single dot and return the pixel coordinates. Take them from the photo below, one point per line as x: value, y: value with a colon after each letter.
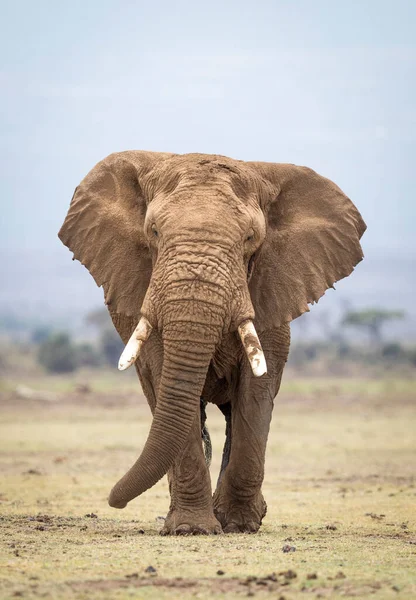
x: 340, y: 486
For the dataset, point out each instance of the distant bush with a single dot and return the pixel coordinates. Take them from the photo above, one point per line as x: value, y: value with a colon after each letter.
x: 323, y: 356
x: 57, y: 354
x: 87, y: 356
x: 40, y: 335
x: 301, y: 354
x: 3, y: 361
x: 393, y: 351
x: 111, y: 346
x: 411, y: 355
x: 343, y: 350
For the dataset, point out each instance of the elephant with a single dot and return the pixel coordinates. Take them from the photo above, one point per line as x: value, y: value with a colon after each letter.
x: 205, y: 261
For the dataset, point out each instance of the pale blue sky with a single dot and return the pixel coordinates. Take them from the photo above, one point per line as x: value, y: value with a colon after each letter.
x: 323, y: 83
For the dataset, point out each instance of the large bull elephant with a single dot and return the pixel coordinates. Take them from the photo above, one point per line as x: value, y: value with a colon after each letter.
x: 204, y: 261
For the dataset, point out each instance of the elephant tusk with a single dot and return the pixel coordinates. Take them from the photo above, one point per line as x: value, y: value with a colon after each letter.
x: 253, y: 348
x: 134, y: 345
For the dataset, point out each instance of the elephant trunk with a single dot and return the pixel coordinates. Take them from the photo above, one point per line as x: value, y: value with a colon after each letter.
x: 188, y: 348
x: 192, y: 300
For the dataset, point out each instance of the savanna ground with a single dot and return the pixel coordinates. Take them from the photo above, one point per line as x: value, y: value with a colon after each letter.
x: 340, y: 488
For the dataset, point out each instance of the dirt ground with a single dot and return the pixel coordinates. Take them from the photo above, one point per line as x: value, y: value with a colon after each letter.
x: 340, y: 488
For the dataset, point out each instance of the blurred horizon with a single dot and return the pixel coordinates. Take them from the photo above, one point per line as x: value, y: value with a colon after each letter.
x: 326, y: 85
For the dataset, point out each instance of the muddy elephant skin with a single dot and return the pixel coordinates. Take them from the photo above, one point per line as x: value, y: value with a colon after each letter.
x: 195, y: 246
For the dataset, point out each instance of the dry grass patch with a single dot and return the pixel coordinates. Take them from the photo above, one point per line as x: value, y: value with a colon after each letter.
x: 340, y: 487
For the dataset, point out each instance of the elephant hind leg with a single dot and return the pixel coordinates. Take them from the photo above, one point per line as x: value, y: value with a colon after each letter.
x: 226, y: 411
x: 206, y: 438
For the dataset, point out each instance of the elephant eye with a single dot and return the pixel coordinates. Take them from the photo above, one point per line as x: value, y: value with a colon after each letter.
x: 154, y: 230
x: 250, y: 236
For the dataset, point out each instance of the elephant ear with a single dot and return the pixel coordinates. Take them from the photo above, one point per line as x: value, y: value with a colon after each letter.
x: 104, y: 228
x: 312, y: 241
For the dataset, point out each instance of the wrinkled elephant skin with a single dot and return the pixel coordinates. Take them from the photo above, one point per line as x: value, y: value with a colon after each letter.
x: 204, y: 261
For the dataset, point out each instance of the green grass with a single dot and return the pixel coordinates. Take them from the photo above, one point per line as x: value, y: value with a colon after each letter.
x: 341, y: 455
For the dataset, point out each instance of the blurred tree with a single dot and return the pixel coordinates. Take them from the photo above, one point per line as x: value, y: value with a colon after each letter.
x: 343, y: 349
x: 3, y: 362
x: 411, y: 355
x: 40, y: 334
x: 372, y: 320
x: 311, y: 351
x: 87, y: 355
x: 57, y: 353
x: 393, y: 351
x: 111, y: 345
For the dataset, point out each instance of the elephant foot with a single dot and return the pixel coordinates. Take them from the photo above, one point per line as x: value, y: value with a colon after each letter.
x: 240, y: 516
x: 179, y: 522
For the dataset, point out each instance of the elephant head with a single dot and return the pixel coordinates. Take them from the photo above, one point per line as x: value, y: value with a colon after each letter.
x: 197, y: 247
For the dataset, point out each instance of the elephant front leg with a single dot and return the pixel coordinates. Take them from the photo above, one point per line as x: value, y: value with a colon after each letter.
x: 191, y: 510
x: 238, y: 501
